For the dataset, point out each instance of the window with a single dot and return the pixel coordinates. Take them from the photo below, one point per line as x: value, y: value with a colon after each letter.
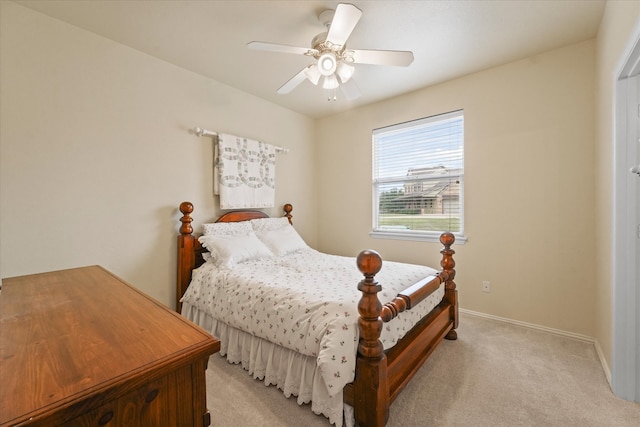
x: 418, y: 178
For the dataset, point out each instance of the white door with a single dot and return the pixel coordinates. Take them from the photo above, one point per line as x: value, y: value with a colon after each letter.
x: 633, y: 185
x: 626, y: 243
x: 634, y: 222
x: 636, y: 185
x: 634, y: 153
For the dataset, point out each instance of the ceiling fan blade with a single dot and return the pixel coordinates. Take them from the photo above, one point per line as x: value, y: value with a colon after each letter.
x: 351, y: 90
x: 344, y: 21
x: 293, y: 82
x: 283, y: 48
x: 400, y: 58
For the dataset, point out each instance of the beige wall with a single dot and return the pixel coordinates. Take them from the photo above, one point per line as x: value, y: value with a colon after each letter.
x: 529, y: 217
x: 616, y: 28
x: 95, y: 153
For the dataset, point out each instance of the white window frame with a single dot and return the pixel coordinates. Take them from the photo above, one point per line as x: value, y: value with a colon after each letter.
x: 413, y: 235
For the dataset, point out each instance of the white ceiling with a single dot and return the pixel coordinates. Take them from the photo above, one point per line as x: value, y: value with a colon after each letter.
x: 448, y: 38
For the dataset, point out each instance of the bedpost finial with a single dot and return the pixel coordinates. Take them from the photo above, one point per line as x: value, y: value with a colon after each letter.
x: 369, y: 262
x: 287, y: 211
x: 186, y: 208
x: 447, y: 238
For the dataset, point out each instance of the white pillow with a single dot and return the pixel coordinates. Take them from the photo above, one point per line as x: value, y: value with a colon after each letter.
x: 232, y: 249
x: 268, y: 224
x: 227, y: 228
x: 283, y: 240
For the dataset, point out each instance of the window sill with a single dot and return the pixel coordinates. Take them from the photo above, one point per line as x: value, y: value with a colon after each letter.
x: 416, y: 237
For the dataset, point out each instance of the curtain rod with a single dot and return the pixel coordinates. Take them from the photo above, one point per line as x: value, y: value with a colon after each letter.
x: 205, y: 132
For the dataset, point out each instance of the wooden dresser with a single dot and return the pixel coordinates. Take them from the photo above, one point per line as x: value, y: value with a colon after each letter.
x: 80, y: 347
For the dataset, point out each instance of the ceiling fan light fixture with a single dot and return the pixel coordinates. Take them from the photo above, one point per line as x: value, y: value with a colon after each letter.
x: 327, y: 64
x: 330, y: 82
x: 313, y: 74
x: 344, y: 71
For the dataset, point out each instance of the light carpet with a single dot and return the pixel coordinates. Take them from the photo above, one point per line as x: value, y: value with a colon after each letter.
x: 495, y: 374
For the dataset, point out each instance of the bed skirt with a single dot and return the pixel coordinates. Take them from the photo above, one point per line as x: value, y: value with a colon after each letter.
x: 293, y: 373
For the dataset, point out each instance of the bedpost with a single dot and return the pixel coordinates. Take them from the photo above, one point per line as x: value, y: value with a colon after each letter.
x: 371, y: 386
x: 186, y: 254
x: 287, y: 212
x: 450, y: 293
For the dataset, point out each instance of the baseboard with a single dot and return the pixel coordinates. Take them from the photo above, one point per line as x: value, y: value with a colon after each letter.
x: 580, y: 337
x: 603, y: 362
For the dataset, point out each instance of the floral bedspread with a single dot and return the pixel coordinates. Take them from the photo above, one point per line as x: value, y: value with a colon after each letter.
x: 306, y: 301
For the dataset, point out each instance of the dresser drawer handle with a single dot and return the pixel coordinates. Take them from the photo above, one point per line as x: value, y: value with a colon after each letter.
x: 105, y: 418
x: 151, y: 396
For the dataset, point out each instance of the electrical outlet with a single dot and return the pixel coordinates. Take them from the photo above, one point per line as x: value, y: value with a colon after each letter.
x: 486, y: 286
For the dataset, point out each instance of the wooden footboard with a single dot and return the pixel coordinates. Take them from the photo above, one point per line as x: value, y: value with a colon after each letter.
x: 380, y: 375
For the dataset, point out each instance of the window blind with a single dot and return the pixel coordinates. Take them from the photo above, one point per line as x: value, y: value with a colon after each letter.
x: 418, y: 176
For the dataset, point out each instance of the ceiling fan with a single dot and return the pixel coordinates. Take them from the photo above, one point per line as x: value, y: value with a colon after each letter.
x: 334, y: 61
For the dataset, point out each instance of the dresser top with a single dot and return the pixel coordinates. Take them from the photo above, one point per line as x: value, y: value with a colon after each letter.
x: 77, y: 332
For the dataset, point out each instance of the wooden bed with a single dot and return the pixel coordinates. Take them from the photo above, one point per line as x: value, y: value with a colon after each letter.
x: 380, y: 375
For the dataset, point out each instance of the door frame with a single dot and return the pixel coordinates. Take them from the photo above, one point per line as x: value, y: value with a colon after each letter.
x: 625, y: 375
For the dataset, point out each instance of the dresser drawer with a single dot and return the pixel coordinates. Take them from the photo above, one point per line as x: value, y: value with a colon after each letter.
x: 159, y: 402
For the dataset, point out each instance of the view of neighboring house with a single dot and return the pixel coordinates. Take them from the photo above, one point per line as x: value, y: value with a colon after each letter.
x: 431, y: 190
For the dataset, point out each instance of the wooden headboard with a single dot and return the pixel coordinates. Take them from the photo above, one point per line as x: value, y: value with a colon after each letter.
x: 190, y: 250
